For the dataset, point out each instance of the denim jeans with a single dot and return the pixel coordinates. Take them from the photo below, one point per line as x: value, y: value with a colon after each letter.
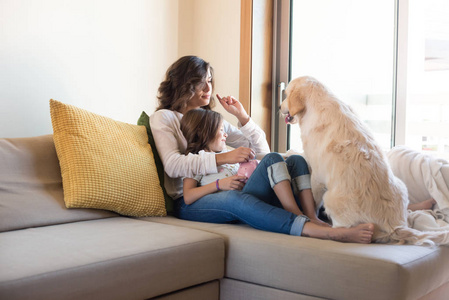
x: 271, y: 170
x: 257, y: 204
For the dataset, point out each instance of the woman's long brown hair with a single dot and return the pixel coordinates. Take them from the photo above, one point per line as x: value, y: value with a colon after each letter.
x: 181, y: 80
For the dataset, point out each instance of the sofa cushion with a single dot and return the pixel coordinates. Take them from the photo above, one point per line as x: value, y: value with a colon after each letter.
x: 328, y: 269
x: 231, y: 289
x: 31, y: 186
x: 206, y: 291
x: 105, y: 164
x: 115, y: 258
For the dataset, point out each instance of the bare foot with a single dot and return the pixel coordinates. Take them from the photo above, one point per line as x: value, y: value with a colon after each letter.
x: 361, y: 233
x: 423, y: 205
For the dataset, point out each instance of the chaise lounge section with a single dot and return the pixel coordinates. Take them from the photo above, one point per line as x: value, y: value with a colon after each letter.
x: 50, y: 252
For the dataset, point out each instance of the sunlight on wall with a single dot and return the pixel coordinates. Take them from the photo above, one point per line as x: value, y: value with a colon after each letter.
x: 210, y: 29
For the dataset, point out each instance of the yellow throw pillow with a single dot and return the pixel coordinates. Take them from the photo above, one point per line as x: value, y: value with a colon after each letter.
x: 105, y: 164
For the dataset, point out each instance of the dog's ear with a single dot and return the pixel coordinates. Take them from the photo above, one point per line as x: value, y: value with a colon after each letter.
x: 295, y: 100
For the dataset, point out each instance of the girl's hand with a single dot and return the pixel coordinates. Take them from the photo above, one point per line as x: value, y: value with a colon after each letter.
x: 232, y: 183
x: 239, y: 155
x: 234, y: 107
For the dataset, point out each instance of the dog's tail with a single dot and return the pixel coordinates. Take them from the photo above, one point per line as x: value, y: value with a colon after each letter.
x: 409, y: 235
x: 406, y: 235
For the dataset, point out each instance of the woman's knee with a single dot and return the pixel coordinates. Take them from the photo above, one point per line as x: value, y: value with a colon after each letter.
x: 298, y: 163
x: 272, y: 158
x: 297, y: 159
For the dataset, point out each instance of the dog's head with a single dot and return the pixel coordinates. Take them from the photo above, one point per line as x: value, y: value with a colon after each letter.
x: 298, y: 91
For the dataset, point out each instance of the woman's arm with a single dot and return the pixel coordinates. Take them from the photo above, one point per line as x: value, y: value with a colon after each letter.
x: 239, y: 155
x: 171, y: 144
x: 234, y: 107
x: 249, y: 134
x: 193, y: 192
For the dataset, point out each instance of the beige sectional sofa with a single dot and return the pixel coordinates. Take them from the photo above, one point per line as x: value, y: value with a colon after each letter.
x: 50, y: 252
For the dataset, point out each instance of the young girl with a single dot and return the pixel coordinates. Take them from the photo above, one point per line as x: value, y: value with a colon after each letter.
x: 278, y: 183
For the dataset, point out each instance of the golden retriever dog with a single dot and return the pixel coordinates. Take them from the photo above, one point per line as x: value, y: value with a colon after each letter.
x: 360, y: 186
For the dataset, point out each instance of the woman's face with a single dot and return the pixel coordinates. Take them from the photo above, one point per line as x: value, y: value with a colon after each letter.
x: 218, y: 144
x: 202, y: 95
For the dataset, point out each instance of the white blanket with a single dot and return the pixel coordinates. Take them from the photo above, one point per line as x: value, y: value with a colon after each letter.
x: 422, y: 175
x: 427, y: 220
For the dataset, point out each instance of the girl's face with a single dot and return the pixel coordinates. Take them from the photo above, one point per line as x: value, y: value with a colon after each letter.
x: 202, y: 95
x: 218, y: 144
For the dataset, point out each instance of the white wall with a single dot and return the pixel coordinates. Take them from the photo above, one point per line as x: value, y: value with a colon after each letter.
x: 106, y: 56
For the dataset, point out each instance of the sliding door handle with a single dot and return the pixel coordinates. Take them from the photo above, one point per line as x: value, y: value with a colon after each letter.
x: 281, y: 89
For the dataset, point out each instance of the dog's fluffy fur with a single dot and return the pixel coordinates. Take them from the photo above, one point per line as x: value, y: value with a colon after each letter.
x: 343, y: 155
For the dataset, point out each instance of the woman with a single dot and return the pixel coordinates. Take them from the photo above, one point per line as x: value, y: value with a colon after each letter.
x: 189, y: 85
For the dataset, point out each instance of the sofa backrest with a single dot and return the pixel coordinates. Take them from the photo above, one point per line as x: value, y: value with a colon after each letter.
x: 31, y: 193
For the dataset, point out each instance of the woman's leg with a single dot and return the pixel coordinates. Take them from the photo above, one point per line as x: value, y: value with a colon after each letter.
x: 299, y: 171
x: 284, y: 193
x: 232, y: 206
x: 270, y: 182
x: 361, y: 233
x: 259, y: 184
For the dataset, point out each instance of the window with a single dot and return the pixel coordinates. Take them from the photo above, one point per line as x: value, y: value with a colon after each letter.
x: 388, y: 59
x: 427, y: 93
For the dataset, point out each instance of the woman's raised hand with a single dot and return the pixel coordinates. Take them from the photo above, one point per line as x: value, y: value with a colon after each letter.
x: 234, y: 182
x: 234, y: 107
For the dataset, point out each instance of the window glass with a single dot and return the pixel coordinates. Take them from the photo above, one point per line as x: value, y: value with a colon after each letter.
x: 427, y: 118
x: 348, y: 46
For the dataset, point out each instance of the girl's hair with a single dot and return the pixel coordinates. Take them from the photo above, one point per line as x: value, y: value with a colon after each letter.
x: 181, y: 80
x: 199, y: 127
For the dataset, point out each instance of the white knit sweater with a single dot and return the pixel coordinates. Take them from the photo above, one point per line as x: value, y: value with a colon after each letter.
x: 171, y: 145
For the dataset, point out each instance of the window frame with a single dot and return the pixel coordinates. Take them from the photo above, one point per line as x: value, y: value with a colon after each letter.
x: 281, y: 72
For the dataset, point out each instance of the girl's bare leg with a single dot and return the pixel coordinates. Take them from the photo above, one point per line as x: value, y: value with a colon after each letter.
x: 423, y: 205
x: 361, y: 233
x: 308, y: 205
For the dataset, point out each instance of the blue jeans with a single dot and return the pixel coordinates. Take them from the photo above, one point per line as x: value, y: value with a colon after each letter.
x: 257, y: 204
